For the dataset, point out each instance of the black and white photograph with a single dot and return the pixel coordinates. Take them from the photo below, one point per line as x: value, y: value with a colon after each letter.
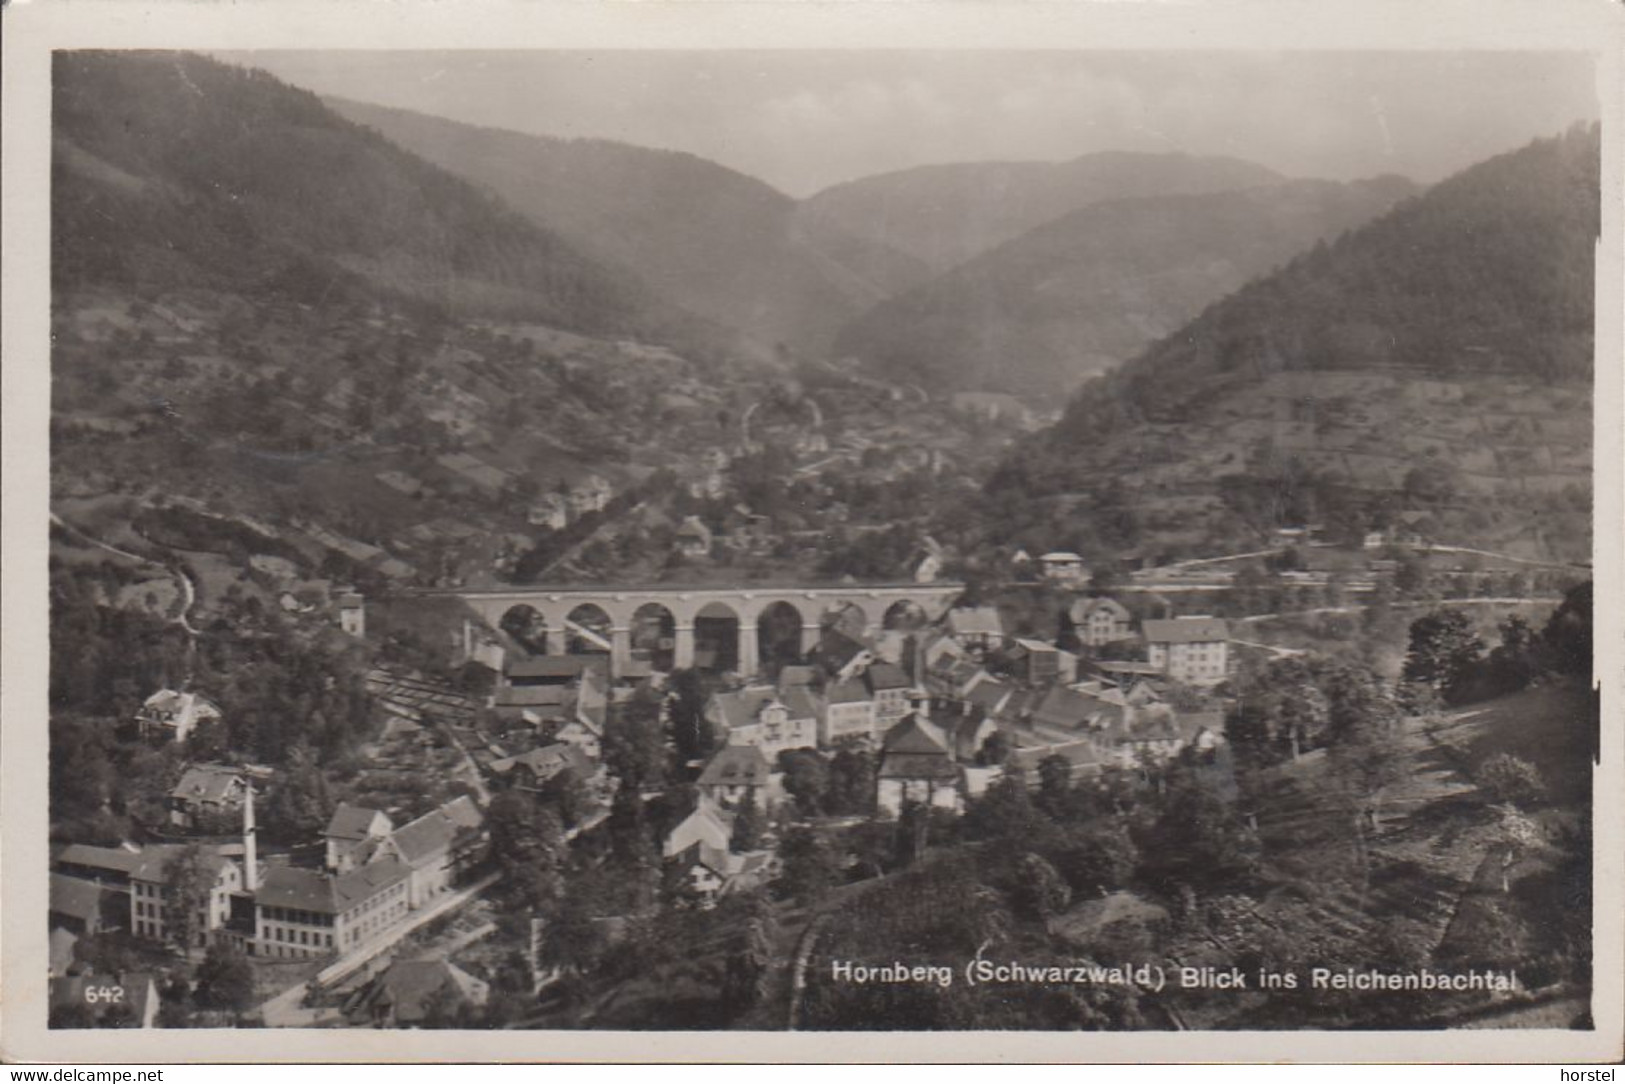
x: 819, y: 539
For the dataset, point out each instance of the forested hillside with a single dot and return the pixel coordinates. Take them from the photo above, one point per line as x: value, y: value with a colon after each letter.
x: 1075, y: 296
x: 946, y: 214
x: 171, y: 170
x: 1438, y: 358
x: 712, y: 240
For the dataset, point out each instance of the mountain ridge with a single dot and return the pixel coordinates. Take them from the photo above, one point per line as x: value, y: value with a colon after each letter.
x: 713, y: 240
x: 1435, y: 359
x: 1070, y: 298
x: 947, y: 213
x: 219, y: 175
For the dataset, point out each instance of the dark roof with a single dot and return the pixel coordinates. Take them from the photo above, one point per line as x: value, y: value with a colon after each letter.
x: 551, y: 666
x: 736, y: 765
x: 352, y: 821
x: 208, y: 783
x: 111, y: 859
x: 836, y: 649
x: 798, y: 675
x: 886, y: 675
x: 155, y: 860
x: 290, y: 886
x: 847, y: 692
x: 1109, y: 666
x: 1186, y: 630
x: 976, y: 620
x: 437, y: 830
x: 361, y: 884
x: 546, y: 761
x: 739, y: 707
x: 988, y: 695
x: 1065, y: 708
x: 798, y: 702
x: 409, y: 987
x: 1079, y: 754
x: 76, y: 898
x: 1084, y: 607
x: 534, y: 696
x: 312, y: 890
x: 910, y: 736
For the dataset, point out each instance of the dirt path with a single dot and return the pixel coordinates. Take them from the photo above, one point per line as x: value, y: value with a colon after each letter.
x: 188, y: 589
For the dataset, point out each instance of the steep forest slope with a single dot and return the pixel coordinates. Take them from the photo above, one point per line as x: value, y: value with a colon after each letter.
x: 1075, y: 296
x: 715, y: 241
x: 173, y: 170
x: 1437, y: 361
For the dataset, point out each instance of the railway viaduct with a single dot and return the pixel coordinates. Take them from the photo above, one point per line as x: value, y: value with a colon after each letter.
x: 605, y: 617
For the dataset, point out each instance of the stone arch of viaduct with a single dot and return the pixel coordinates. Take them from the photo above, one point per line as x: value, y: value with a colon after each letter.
x: 555, y: 604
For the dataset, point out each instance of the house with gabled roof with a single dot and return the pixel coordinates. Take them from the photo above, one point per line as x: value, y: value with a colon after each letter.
x: 352, y: 835
x: 85, y: 907
x: 735, y: 772
x: 410, y: 993
x: 916, y: 765
x: 174, y: 714
x: 890, y: 689
x: 976, y: 626
x: 440, y: 848
x: 152, y: 900
x: 1101, y: 621
x: 1082, y: 757
x: 693, y: 538
x: 535, y: 768
x: 760, y: 715
x: 848, y: 713
x: 708, y: 823
x: 303, y: 912
x: 1064, y: 566
x: 207, y: 794
x: 1193, y: 650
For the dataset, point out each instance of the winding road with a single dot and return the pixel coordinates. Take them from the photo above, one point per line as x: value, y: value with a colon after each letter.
x: 188, y: 589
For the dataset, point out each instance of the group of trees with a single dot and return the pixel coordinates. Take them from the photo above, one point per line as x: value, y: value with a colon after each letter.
x: 1448, y: 658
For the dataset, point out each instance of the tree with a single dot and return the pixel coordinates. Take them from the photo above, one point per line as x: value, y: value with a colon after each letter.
x: 691, y: 734
x: 1510, y: 780
x: 806, y: 779
x: 224, y: 980
x: 1568, y: 634
x: 749, y: 824
x: 1197, y: 839
x: 186, y: 887
x: 529, y: 844
x: 1100, y: 858
x: 995, y: 750
x: 1039, y: 890
x: 850, y: 786
x: 569, y: 795
x: 635, y: 741
x: 1054, y: 785
x: 1443, y: 649
x: 299, y: 807
x: 809, y: 866
x: 1411, y: 577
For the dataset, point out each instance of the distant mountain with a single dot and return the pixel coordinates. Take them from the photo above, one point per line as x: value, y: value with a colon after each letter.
x: 173, y: 170
x: 946, y: 214
x: 714, y: 241
x: 1438, y: 358
x: 1075, y: 296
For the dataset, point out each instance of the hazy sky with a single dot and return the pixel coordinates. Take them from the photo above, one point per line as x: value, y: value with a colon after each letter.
x: 803, y: 120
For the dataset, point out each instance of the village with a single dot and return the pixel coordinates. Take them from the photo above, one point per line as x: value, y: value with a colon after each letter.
x: 930, y: 713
